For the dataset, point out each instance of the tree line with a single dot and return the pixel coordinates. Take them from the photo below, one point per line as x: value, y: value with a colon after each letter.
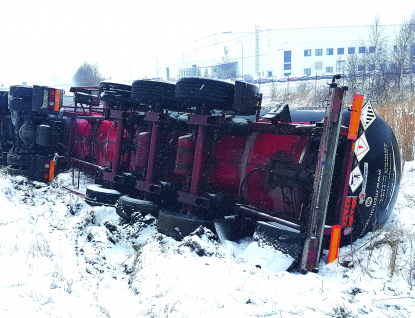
x: 383, y: 68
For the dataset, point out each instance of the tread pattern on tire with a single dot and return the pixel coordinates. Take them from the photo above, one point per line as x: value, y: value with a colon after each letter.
x: 126, y: 206
x: 115, y: 92
x: 18, y: 160
x: 194, y: 91
x: 179, y: 225
x: 17, y: 171
x: 20, y: 98
x: 150, y: 92
x: 96, y: 195
x: 283, y: 240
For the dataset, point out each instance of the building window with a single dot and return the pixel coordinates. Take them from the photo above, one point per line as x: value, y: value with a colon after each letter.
x: 372, y: 49
x: 340, y: 67
x: 329, y: 69
x: 319, y: 52
x: 287, y: 60
x: 307, y: 71
x: 405, y: 47
x: 362, y: 49
x: 395, y: 48
x: 413, y: 50
x: 351, y: 50
x: 318, y: 65
x: 371, y: 67
x: 307, y: 52
x: 361, y: 68
x: 329, y: 51
x: 287, y: 56
x: 340, y: 50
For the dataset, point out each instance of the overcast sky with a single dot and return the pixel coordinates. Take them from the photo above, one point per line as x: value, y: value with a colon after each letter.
x: 44, y: 41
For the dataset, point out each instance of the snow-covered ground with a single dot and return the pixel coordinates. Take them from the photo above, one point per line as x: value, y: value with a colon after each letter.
x: 62, y: 258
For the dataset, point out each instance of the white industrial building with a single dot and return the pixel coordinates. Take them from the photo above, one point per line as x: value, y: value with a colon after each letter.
x: 274, y: 53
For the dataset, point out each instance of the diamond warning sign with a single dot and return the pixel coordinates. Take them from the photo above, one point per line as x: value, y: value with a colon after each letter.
x: 361, y: 148
x: 356, y: 179
x: 368, y: 115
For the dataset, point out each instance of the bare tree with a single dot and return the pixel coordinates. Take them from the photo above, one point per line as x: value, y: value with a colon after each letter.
x: 403, y: 54
x: 351, y: 69
x: 376, y: 58
x: 87, y: 74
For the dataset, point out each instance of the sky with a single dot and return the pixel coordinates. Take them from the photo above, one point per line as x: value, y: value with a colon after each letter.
x: 44, y: 41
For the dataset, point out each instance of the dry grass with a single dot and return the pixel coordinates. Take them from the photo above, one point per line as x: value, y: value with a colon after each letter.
x: 400, y: 115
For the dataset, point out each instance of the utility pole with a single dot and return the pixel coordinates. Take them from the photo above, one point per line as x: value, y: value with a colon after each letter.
x: 242, y: 57
x: 157, y: 65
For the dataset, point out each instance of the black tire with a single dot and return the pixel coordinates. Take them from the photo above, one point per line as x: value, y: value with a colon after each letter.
x: 21, y: 91
x: 179, y: 225
x: 193, y: 91
x: 17, y: 171
x: 150, y: 92
x: 228, y: 228
x: 19, y: 160
x: 280, y: 237
x: 96, y: 195
x: 83, y: 98
x: 115, y: 92
x: 126, y: 206
x: 20, y: 104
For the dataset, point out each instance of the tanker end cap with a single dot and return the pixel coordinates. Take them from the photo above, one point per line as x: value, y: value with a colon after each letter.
x: 375, y: 174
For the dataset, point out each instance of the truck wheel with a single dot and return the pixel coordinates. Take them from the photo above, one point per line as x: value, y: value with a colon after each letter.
x: 151, y: 92
x: 280, y: 237
x: 115, y: 92
x: 228, y: 228
x: 21, y: 91
x: 179, y: 225
x: 96, y: 195
x: 193, y: 91
x: 126, y: 206
x: 18, y: 160
x: 20, y: 104
x: 17, y: 171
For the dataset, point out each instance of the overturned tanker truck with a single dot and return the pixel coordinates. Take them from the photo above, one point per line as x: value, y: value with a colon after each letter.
x: 201, y: 152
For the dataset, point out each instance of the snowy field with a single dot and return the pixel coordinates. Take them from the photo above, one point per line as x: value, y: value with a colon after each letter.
x: 62, y: 258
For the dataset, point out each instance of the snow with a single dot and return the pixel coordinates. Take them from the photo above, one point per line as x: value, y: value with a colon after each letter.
x: 60, y: 257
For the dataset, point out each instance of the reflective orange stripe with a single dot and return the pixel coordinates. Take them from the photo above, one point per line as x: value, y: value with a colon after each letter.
x: 51, y: 170
x: 57, y: 100
x: 355, y: 117
x: 334, y: 243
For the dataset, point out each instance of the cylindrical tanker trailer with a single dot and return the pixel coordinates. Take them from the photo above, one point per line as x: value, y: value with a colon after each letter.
x: 202, y: 152
x: 207, y: 155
